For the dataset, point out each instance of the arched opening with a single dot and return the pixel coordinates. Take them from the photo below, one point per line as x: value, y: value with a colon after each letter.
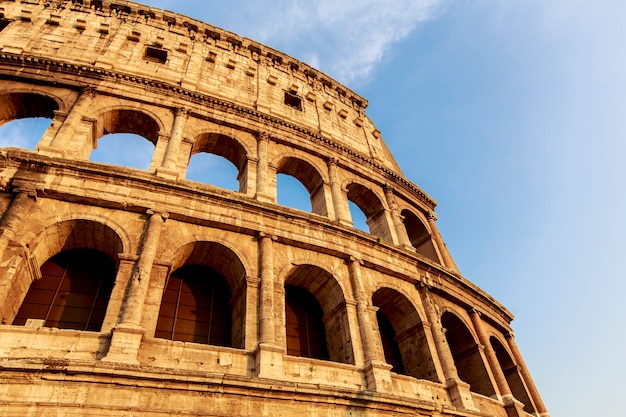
x: 26, y: 105
x: 59, y: 237
x: 306, y: 335
x: 466, y: 355
x: 291, y: 193
x: 306, y: 175
x: 24, y: 118
x: 73, y: 291
x: 309, y: 287
x: 212, y: 169
x: 204, y: 299
x: 512, y: 375
x: 125, y: 138
x: 419, y: 236
x: 195, y: 307
x: 224, y: 147
x: 371, y: 206
x: 402, y: 335
x: 123, y: 149
x: 359, y: 220
x: 391, y: 349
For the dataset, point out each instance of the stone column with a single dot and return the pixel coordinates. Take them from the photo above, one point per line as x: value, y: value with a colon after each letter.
x: 492, y: 359
x: 266, y: 296
x: 126, y: 336
x: 14, y: 216
x: 530, y: 384
x: 441, y: 246
x: 262, y: 176
x: 458, y: 390
x: 72, y: 122
x: 398, y: 224
x: 368, y: 338
x: 11, y: 222
x: 341, y: 214
x: 377, y: 371
x: 269, y: 356
x: 173, y: 144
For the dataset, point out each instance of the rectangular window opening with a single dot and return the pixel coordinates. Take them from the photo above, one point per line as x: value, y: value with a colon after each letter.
x: 293, y: 100
x: 156, y: 54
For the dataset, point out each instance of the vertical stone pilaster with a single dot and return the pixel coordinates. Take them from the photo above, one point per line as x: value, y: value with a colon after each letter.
x: 530, y: 384
x: 496, y: 370
x: 262, y: 177
x: 14, y: 216
x: 69, y: 129
x: 341, y: 210
x: 127, y: 335
x: 441, y: 246
x: 377, y: 371
x: 458, y: 390
x: 269, y: 356
x: 398, y: 224
x: 169, y: 166
x: 266, y: 303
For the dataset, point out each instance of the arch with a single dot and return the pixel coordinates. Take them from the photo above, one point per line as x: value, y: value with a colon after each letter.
x: 308, y: 175
x: 327, y: 292
x: 402, y: 335
x: 204, y: 298
x: 226, y: 147
x: 73, y: 291
x: 59, y: 237
x: 372, y: 206
x: 128, y: 120
x: 81, y: 232
x: 512, y: 375
x: 22, y: 105
x: 466, y: 354
x: 419, y: 236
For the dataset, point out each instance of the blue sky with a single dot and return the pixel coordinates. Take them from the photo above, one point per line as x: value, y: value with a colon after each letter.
x: 512, y: 115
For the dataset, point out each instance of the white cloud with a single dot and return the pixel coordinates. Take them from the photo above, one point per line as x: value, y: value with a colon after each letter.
x: 346, y: 38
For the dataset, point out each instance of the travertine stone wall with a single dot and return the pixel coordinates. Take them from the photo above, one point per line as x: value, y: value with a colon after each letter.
x: 99, y: 67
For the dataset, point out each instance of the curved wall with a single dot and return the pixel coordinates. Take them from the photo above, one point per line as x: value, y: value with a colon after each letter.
x: 223, y: 302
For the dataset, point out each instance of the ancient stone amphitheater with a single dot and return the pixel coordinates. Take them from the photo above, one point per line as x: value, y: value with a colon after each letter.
x: 129, y: 292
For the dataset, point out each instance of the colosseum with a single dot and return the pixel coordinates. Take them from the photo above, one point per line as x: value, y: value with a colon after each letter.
x: 138, y: 292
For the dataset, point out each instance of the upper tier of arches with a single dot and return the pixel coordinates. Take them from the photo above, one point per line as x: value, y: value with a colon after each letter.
x: 176, y: 135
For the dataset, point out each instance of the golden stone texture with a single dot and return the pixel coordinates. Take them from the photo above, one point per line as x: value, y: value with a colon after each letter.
x: 98, y: 67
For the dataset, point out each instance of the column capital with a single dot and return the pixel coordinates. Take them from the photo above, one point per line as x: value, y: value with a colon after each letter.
x: 263, y: 136
x: 474, y: 310
x: 389, y: 189
x: 260, y: 235
x: 332, y: 160
x: 164, y: 214
x: 181, y: 111
x: 88, y: 91
x: 432, y: 216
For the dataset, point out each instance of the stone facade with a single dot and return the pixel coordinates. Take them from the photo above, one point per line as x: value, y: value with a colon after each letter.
x: 403, y: 333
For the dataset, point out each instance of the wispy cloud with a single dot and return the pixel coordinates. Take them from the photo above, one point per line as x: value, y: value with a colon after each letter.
x: 345, y: 39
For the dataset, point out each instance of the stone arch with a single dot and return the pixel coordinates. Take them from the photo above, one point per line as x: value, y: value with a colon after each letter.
x: 309, y: 176
x: 466, y: 354
x: 371, y: 204
x: 403, y: 337
x: 214, y: 279
x: 512, y: 375
x: 21, y: 105
x: 58, y: 238
x: 226, y: 147
x: 327, y: 292
x: 419, y: 235
x: 128, y: 119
